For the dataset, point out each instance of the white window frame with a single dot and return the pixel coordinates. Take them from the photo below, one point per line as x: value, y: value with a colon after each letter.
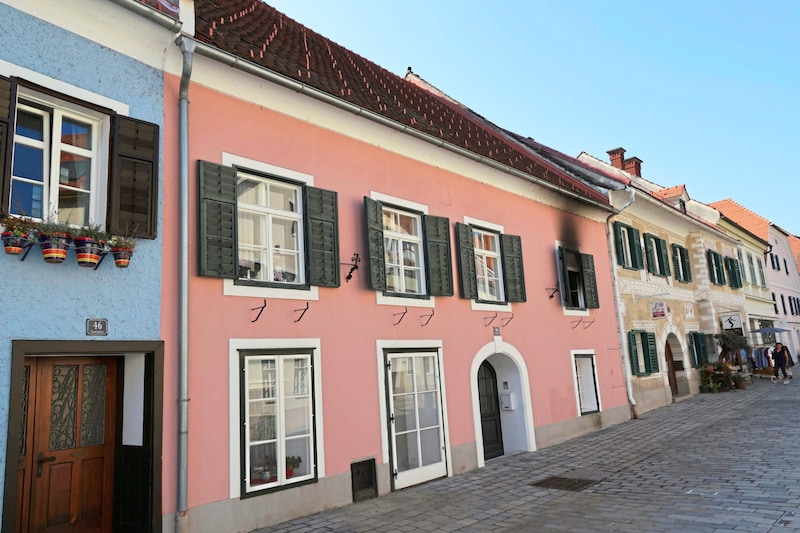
x: 403, y: 259
x: 229, y: 286
x: 581, y: 381
x: 477, y: 305
x: 235, y: 398
x: 483, y: 274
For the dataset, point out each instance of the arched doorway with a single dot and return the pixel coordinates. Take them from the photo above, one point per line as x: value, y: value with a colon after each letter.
x: 491, y: 426
x: 673, y: 381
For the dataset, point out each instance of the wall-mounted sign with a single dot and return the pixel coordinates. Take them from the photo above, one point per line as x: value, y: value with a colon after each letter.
x: 732, y: 322
x: 658, y: 309
x: 688, y: 310
x: 97, y: 327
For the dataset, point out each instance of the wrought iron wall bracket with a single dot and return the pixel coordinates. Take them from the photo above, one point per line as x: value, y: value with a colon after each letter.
x: 260, y: 310
x: 402, y: 316
x: 490, y: 319
x: 507, y: 320
x: 429, y: 317
x: 353, y: 264
x: 553, y: 291
x: 303, y: 312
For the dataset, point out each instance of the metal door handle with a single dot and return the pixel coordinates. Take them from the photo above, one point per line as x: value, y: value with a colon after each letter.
x: 40, y: 460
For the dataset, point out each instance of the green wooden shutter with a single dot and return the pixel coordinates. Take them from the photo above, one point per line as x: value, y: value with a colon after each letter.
x: 633, y: 353
x: 637, y: 261
x: 618, y: 244
x: 663, y: 256
x: 133, y: 182
x: 700, y: 346
x: 589, y: 282
x: 8, y: 99
x: 322, y: 237
x: 712, y: 272
x: 652, y: 352
x: 437, y: 252
x: 734, y: 272
x: 652, y: 266
x: 692, y: 350
x: 376, y: 265
x: 468, y: 282
x: 687, y: 274
x: 217, y: 245
x: 676, y: 262
x: 513, y: 271
x: 720, y: 268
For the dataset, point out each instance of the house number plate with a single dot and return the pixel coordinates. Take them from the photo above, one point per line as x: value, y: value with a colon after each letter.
x: 97, y: 327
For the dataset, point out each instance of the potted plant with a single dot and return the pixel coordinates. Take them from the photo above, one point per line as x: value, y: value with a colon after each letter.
x: 739, y: 381
x: 292, y: 462
x: 90, y: 241
x: 122, y: 249
x: 54, y: 238
x: 17, y: 232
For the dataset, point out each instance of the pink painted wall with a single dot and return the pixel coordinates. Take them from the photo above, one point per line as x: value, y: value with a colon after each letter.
x: 346, y: 319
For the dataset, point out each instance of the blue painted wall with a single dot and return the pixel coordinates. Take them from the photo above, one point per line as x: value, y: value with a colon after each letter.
x: 40, y: 301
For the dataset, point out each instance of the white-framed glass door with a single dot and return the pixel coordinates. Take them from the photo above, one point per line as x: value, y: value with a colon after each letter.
x: 415, y: 418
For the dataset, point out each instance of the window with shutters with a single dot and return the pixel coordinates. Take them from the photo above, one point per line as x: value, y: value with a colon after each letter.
x: 578, y: 283
x: 761, y: 276
x: 657, y: 258
x: 716, y: 268
x: 627, y: 247
x: 681, y: 263
x: 489, y: 263
x: 643, y: 352
x: 734, y: 270
x: 408, y: 251
x: 75, y: 161
x: 752, y: 267
x: 697, y: 349
x: 261, y: 229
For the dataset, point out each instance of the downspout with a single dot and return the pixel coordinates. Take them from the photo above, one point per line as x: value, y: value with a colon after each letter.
x: 187, y: 47
x: 625, y: 364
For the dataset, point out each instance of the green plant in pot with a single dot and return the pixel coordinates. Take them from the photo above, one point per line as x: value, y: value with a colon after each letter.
x: 292, y: 462
x: 122, y: 249
x: 90, y: 242
x: 54, y: 238
x: 17, y: 232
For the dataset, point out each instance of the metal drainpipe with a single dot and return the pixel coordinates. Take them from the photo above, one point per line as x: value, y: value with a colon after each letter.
x: 187, y: 47
x: 625, y: 366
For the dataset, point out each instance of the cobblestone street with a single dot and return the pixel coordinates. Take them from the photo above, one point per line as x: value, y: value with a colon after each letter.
x: 714, y: 462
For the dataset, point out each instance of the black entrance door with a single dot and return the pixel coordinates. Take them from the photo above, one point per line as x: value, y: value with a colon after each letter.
x: 490, y: 412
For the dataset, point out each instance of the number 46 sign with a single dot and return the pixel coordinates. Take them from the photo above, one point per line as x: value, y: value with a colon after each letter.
x: 97, y: 327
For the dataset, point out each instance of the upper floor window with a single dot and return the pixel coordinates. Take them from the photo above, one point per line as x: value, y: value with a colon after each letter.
x: 409, y: 251
x: 775, y: 303
x: 752, y: 266
x: 761, y: 276
x: 578, y: 280
x: 775, y: 260
x: 680, y: 260
x: 643, y: 352
x: 657, y: 258
x: 783, y: 303
x: 77, y: 162
x: 734, y: 272
x: 743, y: 270
x: 716, y: 269
x: 629, y: 251
x: 258, y: 229
x: 785, y: 266
x: 490, y: 264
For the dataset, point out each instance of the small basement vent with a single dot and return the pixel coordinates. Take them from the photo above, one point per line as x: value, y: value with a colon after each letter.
x: 365, y: 482
x: 564, y: 483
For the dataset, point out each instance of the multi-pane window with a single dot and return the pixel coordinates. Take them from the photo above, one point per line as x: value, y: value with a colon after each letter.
x: 277, y: 419
x: 629, y: 251
x: 761, y: 276
x: 402, y: 244
x: 743, y: 271
x: 775, y: 303
x: 734, y: 272
x: 578, y: 280
x: 716, y: 268
x: 490, y: 264
x: 752, y: 267
x: 783, y: 303
x: 269, y: 218
x: 775, y: 261
x: 643, y: 352
x: 588, y: 401
x: 681, y: 263
x: 657, y: 258
x: 261, y: 230
x: 698, y: 349
x: 785, y: 266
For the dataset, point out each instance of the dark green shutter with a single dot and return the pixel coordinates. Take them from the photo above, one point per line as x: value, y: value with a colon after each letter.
x: 720, y: 269
x: 700, y: 347
x: 712, y: 272
x: 734, y: 272
x: 652, y: 352
x: 618, y: 244
x: 133, y: 182
x: 633, y: 353
x: 322, y: 237
x: 687, y: 274
x: 466, y: 262
x: 217, y: 245
x: 652, y: 265
x: 437, y: 252
x: 513, y: 272
x: 376, y: 265
x: 676, y: 262
x: 663, y: 256
x: 8, y: 99
x: 589, y: 282
x: 692, y: 350
x: 637, y: 261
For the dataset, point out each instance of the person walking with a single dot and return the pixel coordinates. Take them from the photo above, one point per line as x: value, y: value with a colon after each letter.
x: 780, y: 358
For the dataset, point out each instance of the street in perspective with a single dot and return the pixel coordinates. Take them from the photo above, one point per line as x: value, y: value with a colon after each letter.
x: 714, y: 462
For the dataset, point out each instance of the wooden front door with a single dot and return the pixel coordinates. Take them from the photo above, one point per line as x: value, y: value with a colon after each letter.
x: 673, y: 381
x: 490, y: 412
x: 66, y: 477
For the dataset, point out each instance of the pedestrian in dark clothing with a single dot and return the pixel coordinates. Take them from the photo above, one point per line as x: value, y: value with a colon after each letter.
x: 780, y: 358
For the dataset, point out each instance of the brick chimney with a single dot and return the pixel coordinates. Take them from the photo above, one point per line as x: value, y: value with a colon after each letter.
x: 617, y: 155
x: 633, y: 165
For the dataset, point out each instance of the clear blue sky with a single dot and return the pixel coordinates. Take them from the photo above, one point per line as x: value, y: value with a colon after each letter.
x: 706, y: 93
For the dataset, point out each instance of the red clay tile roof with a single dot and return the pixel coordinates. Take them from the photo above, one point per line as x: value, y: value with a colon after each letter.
x: 169, y: 7
x: 755, y: 224
x: 670, y: 192
x: 256, y: 32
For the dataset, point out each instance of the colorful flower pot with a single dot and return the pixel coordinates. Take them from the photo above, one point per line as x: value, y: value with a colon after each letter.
x: 122, y: 257
x: 14, y: 244
x: 55, y: 247
x: 88, y: 251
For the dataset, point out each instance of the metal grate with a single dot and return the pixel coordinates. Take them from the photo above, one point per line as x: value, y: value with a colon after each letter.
x: 564, y: 483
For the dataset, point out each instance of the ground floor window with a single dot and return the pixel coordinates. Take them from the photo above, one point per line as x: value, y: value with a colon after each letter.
x: 586, y: 382
x: 277, y: 419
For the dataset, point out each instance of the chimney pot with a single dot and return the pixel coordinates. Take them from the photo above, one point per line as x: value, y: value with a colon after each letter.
x: 617, y: 155
x: 633, y: 165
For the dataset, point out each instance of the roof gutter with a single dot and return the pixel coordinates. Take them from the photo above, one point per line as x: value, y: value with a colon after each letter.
x: 301, y: 88
x: 149, y: 13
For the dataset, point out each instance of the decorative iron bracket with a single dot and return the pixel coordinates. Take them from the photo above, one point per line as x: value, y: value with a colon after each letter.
x: 553, y: 291
x: 260, y: 310
x: 429, y: 317
x: 507, y: 320
x: 490, y: 319
x: 402, y: 316
x: 354, y: 261
x: 303, y: 312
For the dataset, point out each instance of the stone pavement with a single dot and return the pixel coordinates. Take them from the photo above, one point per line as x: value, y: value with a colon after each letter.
x: 714, y: 462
